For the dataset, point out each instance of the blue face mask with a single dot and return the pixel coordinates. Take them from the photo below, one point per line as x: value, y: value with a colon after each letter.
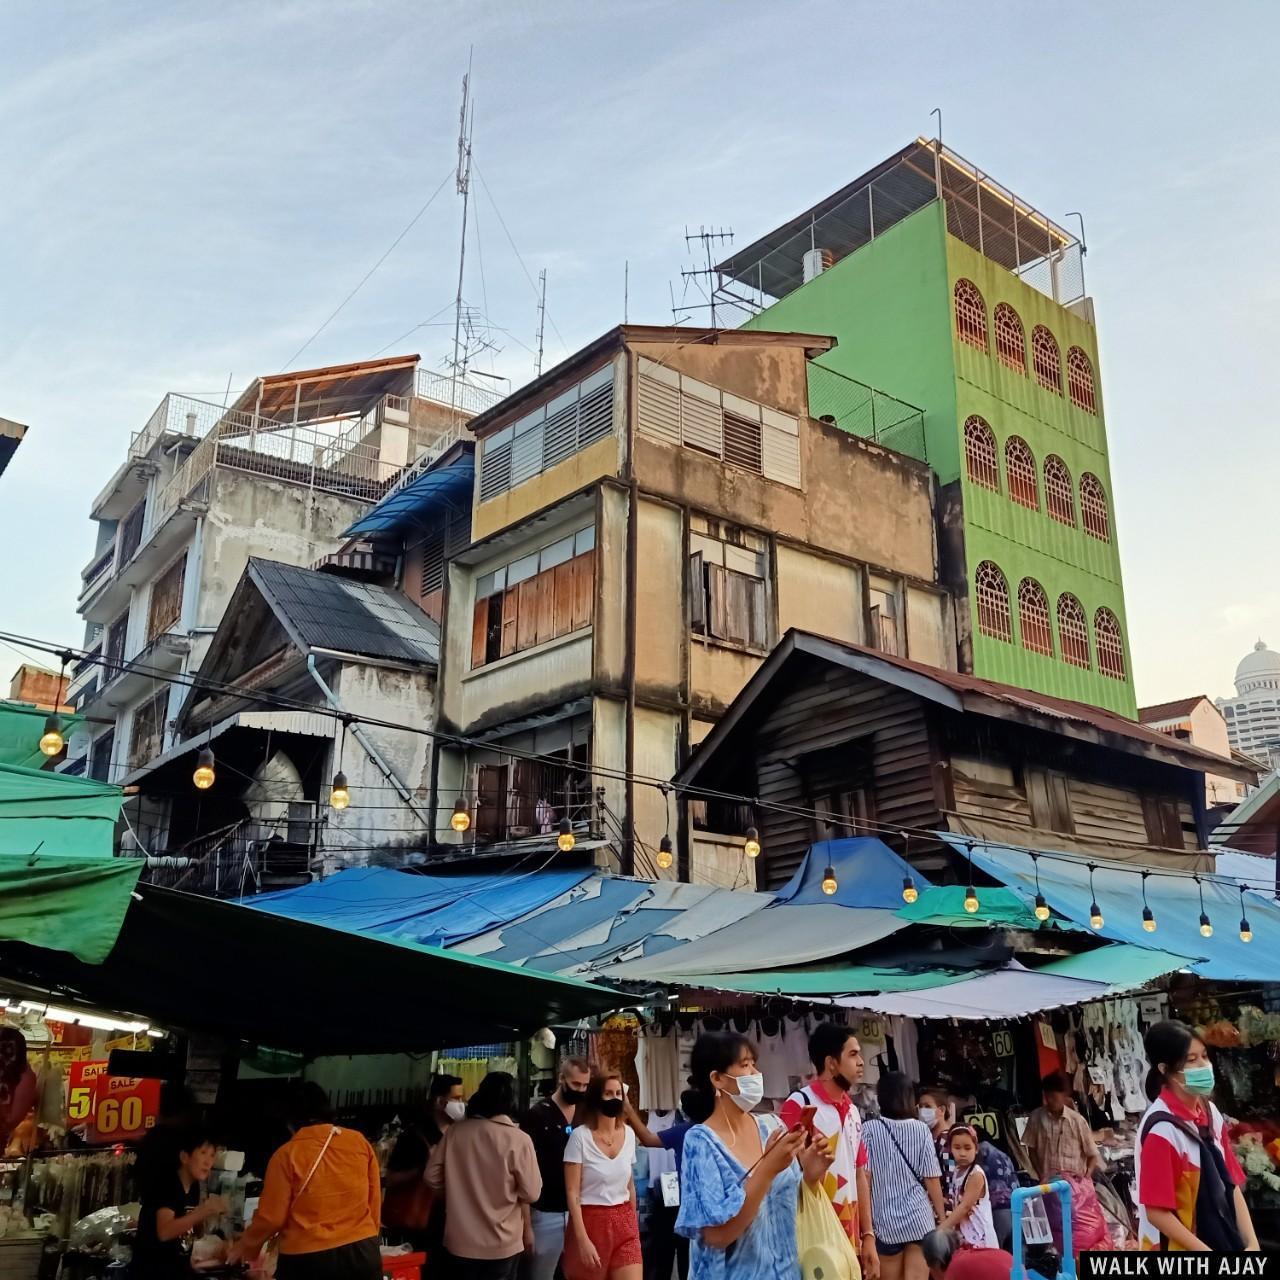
x: 1198, y: 1080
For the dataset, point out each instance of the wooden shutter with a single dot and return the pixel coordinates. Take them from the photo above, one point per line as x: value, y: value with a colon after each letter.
x: 584, y: 581
x: 479, y: 632
x: 546, y: 605
x: 697, y: 594
x: 757, y: 621
x: 510, y: 605
x: 564, y: 598
x: 491, y: 801
x: 527, y: 614
x: 718, y: 623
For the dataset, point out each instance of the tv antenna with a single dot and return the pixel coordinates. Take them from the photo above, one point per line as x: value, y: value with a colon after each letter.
x: 542, y: 317
x: 466, y: 118
x: 707, y: 237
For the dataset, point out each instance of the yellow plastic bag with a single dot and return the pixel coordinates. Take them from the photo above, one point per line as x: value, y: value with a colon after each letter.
x: 826, y: 1253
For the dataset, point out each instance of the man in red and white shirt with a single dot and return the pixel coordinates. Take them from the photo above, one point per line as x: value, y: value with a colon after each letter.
x: 837, y: 1061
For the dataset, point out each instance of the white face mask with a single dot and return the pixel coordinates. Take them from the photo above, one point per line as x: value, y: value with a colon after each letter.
x: 929, y: 1115
x: 455, y: 1109
x: 750, y: 1091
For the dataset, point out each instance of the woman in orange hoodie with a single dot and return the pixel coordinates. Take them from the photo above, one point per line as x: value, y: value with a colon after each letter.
x: 322, y: 1197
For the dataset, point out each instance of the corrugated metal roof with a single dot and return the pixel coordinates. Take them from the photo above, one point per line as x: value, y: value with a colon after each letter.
x: 1171, y: 710
x: 417, y: 498
x: 323, y: 611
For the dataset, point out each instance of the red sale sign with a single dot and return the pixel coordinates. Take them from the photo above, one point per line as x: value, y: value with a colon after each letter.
x: 113, y: 1108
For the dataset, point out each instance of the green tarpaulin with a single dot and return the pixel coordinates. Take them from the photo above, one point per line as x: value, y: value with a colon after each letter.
x: 944, y: 905
x: 43, y: 812
x: 833, y: 980
x: 21, y: 727
x: 1119, y: 965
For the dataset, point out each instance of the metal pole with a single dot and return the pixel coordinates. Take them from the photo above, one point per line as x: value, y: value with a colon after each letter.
x: 937, y: 153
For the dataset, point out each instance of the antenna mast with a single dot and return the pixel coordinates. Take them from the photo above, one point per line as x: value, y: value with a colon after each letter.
x: 465, y: 119
x: 708, y: 236
x: 542, y: 316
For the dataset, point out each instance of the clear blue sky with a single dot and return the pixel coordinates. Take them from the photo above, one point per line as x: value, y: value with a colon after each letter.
x: 188, y: 190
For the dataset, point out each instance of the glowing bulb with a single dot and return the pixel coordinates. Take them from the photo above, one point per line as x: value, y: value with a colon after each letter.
x: 909, y: 891
x: 52, y: 741
x: 1148, y: 920
x: 752, y: 845
x: 1095, y: 916
x: 565, y: 840
x: 339, y: 797
x: 204, y: 774
x: 971, y: 901
x: 461, y: 819
x: 829, y: 885
x: 665, y: 858
x: 1206, y: 928
x: 1041, y: 908
x: 1246, y: 934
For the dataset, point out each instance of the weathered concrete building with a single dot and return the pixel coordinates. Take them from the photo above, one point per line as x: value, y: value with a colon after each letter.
x: 649, y: 518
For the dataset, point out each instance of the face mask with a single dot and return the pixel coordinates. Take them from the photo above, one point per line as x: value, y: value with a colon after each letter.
x: 929, y: 1115
x: 1198, y: 1080
x: 572, y: 1095
x: 611, y: 1107
x: 455, y: 1109
x: 750, y: 1091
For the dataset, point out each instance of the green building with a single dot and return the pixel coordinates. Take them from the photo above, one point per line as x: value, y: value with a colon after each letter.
x: 948, y: 291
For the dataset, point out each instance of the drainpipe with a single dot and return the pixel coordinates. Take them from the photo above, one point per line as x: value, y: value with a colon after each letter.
x: 633, y: 559
x: 369, y: 749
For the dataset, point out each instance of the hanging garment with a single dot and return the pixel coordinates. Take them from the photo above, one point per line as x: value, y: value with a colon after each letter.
x: 661, y: 1160
x: 658, y: 1069
x: 772, y: 1058
x: 906, y: 1044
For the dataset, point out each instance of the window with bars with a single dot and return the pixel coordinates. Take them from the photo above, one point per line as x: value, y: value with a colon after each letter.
x: 992, y: 589
x: 1080, y: 381
x: 1011, y: 338
x: 1109, y: 643
x: 166, y: 599
x: 537, y: 597
x: 131, y: 533
x: 1073, y: 631
x: 100, y: 757
x: 146, y: 741
x: 553, y: 432
x: 113, y: 647
x: 980, y: 454
x: 1059, y: 494
x: 1093, y: 508
x: 1020, y: 473
x: 1033, y: 617
x: 728, y: 598
x: 1047, y: 359
x: 971, y: 315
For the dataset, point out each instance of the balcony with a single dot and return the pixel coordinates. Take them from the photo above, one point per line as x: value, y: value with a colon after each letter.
x: 123, y: 684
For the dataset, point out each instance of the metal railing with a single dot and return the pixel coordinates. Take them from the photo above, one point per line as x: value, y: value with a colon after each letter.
x: 865, y: 411
x: 463, y: 395
x: 98, y: 568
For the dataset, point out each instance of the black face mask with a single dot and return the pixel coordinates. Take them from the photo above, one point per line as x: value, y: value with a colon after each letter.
x: 611, y: 1107
x: 840, y: 1081
x: 572, y: 1095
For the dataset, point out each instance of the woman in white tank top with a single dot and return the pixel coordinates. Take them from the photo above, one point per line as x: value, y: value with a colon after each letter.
x: 969, y: 1193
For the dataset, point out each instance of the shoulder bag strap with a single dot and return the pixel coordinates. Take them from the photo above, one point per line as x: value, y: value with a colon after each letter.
x: 306, y: 1182
x: 897, y: 1146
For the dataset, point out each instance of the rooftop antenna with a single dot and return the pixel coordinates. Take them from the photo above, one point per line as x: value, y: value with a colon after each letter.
x: 937, y: 153
x: 542, y: 316
x: 707, y: 236
x: 626, y: 288
x: 466, y: 117
x: 676, y: 318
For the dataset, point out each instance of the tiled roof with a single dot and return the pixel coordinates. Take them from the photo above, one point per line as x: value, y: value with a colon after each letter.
x: 1170, y: 710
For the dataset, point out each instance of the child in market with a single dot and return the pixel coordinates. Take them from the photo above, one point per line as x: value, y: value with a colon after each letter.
x: 969, y: 1194
x: 172, y: 1210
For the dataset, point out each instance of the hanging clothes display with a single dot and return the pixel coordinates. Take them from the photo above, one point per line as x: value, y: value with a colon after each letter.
x: 658, y: 1069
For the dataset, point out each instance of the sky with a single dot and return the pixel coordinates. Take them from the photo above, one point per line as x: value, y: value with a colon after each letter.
x: 188, y: 191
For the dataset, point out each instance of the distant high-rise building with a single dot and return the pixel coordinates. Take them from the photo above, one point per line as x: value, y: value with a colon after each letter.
x: 1253, y: 715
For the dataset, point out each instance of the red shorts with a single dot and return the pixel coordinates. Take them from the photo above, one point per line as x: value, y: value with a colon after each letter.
x: 615, y: 1232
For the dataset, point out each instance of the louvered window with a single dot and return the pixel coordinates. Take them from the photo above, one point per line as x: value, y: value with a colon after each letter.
x: 742, y: 443
x: 551, y: 433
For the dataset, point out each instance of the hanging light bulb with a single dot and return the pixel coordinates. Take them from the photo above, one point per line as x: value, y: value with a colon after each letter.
x: 665, y: 856
x: 1148, y: 920
x: 1246, y: 930
x: 565, y: 840
x: 1042, y: 907
x: 1095, y: 911
x: 1206, y: 925
x: 971, y: 903
x: 751, y: 844
x: 52, y: 741
x: 204, y: 775
x: 460, y: 819
x: 829, y: 885
x: 909, y: 891
x: 339, y: 796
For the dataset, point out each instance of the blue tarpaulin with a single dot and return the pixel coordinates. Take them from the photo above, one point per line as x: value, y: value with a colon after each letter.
x: 430, y: 910
x: 868, y: 874
x: 415, y: 499
x: 1174, y: 901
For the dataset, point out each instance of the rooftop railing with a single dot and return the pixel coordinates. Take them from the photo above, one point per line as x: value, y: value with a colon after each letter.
x: 867, y: 412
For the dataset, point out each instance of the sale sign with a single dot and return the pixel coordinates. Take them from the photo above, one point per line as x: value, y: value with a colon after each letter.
x: 112, y: 1108
x: 81, y: 1086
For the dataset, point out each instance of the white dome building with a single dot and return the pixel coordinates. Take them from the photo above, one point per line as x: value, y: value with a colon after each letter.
x: 1253, y: 715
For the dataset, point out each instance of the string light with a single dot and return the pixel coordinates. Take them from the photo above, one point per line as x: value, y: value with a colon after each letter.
x: 1042, y: 907
x: 52, y: 740
x: 971, y: 903
x: 751, y: 846
x: 909, y: 891
x: 829, y: 885
x: 1206, y: 925
x: 565, y: 840
x: 1246, y: 930
x: 460, y: 819
x: 339, y: 795
x: 665, y: 856
x: 1148, y: 916
x: 204, y: 774
x: 1095, y: 912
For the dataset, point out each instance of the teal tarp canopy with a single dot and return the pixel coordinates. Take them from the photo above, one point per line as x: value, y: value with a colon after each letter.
x: 944, y: 905
x: 829, y: 980
x: 43, y: 812
x: 21, y: 727
x: 1120, y: 966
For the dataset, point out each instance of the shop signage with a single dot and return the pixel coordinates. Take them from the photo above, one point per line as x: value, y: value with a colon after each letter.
x: 987, y: 1123
x: 1002, y: 1043
x: 112, y: 1108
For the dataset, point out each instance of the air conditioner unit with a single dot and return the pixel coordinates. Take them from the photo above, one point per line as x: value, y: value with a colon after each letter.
x: 816, y: 261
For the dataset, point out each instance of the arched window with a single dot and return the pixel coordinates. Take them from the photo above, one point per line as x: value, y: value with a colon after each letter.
x: 1093, y: 508
x: 1047, y: 359
x: 1110, y: 645
x: 980, y: 454
x: 1011, y: 340
x: 1080, y: 381
x: 1033, y: 617
x: 1020, y: 473
x: 993, y: 602
x: 971, y: 315
x: 1059, y: 496
x: 1073, y: 631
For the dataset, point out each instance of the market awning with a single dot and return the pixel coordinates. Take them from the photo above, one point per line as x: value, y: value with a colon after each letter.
x: 1120, y: 966
x: 199, y: 964
x: 943, y: 906
x: 825, y: 982
x: 21, y: 727
x: 56, y: 813
x: 1174, y: 900
x: 417, y: 498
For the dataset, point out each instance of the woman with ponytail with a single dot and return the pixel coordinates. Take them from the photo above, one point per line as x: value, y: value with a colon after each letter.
x: 1188, y: 1177
x: 740, y: 1176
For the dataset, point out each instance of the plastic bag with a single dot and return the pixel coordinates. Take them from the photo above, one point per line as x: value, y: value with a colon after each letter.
x: 826, y: 1253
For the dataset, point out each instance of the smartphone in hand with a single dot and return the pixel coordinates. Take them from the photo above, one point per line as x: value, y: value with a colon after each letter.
x: 806, y: 1120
